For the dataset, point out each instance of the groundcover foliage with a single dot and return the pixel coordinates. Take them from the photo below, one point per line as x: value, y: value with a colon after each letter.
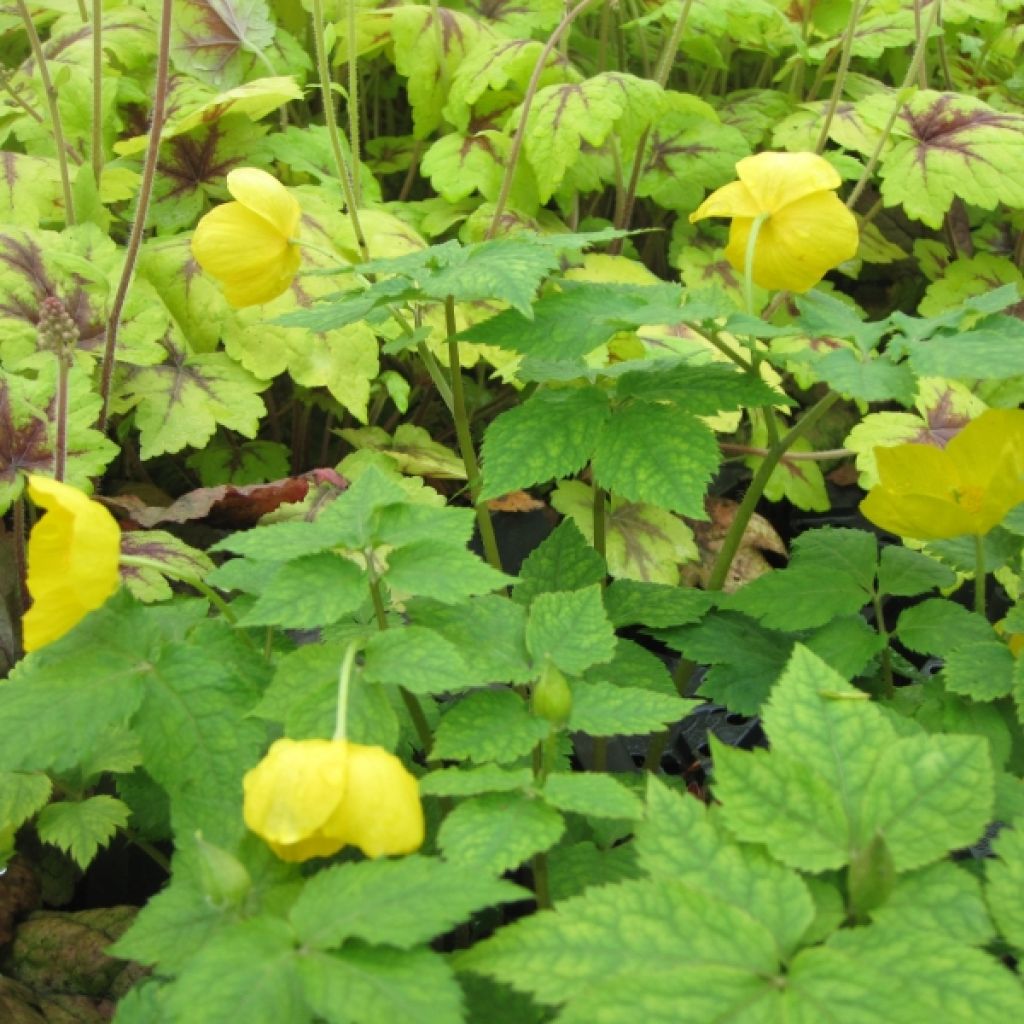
x: 511, y: 512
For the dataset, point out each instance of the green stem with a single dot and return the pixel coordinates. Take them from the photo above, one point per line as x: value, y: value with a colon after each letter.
x: 541, y: 885
x: 142, y: 562
x: 353, y: 101
x: 465, y: 438
x: 141, y: 212
x: 97, y: 90
x: 56, y: 125
x: 333, y: 131
x: 655, y: 748
x: 60, y: 451
x: 344, y: 682
x: 600, y: 540
x: 748, y: 262
x: 979, y: 574
x: 738, y: 526
x: 840, y: 80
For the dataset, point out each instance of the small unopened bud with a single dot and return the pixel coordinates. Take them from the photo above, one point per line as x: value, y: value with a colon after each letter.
x: 222, y: 876
x: 552, y: 698
x: 57, y: 331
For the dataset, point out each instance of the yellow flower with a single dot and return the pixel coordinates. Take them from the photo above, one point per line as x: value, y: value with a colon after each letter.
x: 309, y: 798
x: 967, y: 487
x: 247, y: 244
x: 807, y: 230
x: 72, y: 560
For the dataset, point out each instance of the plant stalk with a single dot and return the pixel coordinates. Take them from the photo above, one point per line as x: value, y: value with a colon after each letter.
x: 840, y: 80
x: 979, y: 574
x: 97, y: 90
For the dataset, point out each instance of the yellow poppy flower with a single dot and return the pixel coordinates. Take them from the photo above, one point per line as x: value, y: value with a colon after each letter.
x: 807, y: 230
x: 968, y: 487
x: 247, y: 244
x: 73, y: 556
x: 309, y: 798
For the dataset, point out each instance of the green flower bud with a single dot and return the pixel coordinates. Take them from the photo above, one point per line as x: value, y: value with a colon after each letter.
x: 222, y: 876
x: 552, y: 698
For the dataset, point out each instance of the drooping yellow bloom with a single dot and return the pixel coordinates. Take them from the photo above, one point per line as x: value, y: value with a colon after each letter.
x: 72, y: 560
x: 309, y: 798
x: 806, y: 231
x: 967, y: 487
x: 247, y: 244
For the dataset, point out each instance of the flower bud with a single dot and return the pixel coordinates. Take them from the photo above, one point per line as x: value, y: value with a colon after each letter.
x: 222, y: 877
x: 552, y: 698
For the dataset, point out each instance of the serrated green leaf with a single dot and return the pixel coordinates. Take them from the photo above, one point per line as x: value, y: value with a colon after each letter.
x: 574, y: 868
x: 312, y: 591
x: 400, y: 903
x: 701, y: 390
x: 562, y: 561
x: 593, y: 795
x: 489, y: 725
x: 360, y: 985
x: 903, y: 572
x: 169, y: 557
x: 869, y: 379
x: 633, y: 666
x: 630, y: 602
x: 441, y: 571
x: 938, y: 626
x: 488, y: 778
x: 550, y: 435
x: 417, y: 659
x: 21, y: 795
x: 1004, y: 878
x: 603, y: 709
x: 982, y: 671
x: 570, y: 629
x: 656, y: 454
x: 82, y: 827
x: 992, y: 351
x: 497, y: 832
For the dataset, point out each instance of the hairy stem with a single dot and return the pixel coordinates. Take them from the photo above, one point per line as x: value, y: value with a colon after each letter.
x: 353, y: 101
x: 60, y: 448
x: 840, y: 80
x: 97, y: 90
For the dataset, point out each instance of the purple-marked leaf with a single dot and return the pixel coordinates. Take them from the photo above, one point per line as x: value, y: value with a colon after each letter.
x: 877, y: 31
x: 181, y: 402
x: 28, y: 435
x: 754, y: 112
x: 30, y: 190
x: 517, y: 18
x: 218, y: 40
x: 177, y: 559
x: 226, y: 460
x: 460, y: 165
x: 965, y: 277
x: 945, y: 146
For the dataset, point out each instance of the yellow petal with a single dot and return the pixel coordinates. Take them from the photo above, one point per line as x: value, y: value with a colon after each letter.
x: 732, y: 200
x: 318, y: 845
x: 381, y: 812
x: 916, y: 469
x: 797, y: 246
x: 294, y: 790
x: 265, y: 284
x: 775, y: 180
x: 264, y: 195
x: 73, y: 554
x: 920, y: 516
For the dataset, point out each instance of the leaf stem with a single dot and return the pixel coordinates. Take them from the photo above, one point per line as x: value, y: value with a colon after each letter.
x: 142, y: 562
x: 979, y: 574
x: 352, y: 101
x: 141, y: 212
x: 344, y: 682
x: 97, y: 90
x: 56, y: 125
x: 840, y: 80
x: 748, y: 262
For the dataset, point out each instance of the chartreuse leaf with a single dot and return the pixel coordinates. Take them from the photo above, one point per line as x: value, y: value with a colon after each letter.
x: 488, y: 725
x: 592, y: 794
x: 82, y: 827
x: 550, y: 435
x: 21, y: 795
x: 498, y: 831
x: 570, y: 629
x: 365, y: 985
x: 400, y: 903
x: 838, y: 776
x: 30, y: 190
x: 1004, y: 879
x: 562, y: 561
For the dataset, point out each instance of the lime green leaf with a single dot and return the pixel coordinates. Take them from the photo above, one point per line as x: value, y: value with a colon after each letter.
x: 21, y: 795
x: 417, y: 659
x: 488, y: 725
x: 413, y: 450
x: 903, y: 572
x: 30, y: 190
x: 172, y: 558
x: 461, y: 165
x: 220, y: 41
x: 570, y: 629
x: 400, y: 903
x: 82, y: 827
x: 604, y: 709
x: 496, y: 832
x: 680, y: 841
x: 374, y: 986
x: 966, y: 277
x: 247, y: 969
x: 550, y: 435
x: 562, y: 561
x: 312, y: 591
x: 488, y: 778
x: 982, y: 671
x: 938, y: 626
x: 594, y: 795
x: 673, y: 473
x: 869, y: 378
x: 1004, y: 879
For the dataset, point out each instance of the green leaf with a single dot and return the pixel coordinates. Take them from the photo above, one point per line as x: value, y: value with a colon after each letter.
x: 993, y: 351
x: 982, y: 671
x: 400, y: 903
x: 488, y: 725
x: 680, y: 841
x: 550, y: 435
x: 30, y: 190
x: 903, y: 572
x: 633, y: 666
x: 576, y: 867
x: 21, y: 795
x: 412, y: 449
x: 846, y: 644
x: 417, y: 659
x: 246, y: 970
x: 702, y: 390
x: 360, y: 985
x: 444, y: 572
x: 570, y: 629
x: 593, y: 795
x: 1004, y: 878
x: 488, y: 778
x: 562, y: 561
x: 603, y: 709
x: 629, y: 603
x: 673, y: 472
x: 498, y: 831
x: 307, y: 592
x: 867, y: 378
x: 82, y: 827
x: 938, y: 626
x: 172, y: 558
